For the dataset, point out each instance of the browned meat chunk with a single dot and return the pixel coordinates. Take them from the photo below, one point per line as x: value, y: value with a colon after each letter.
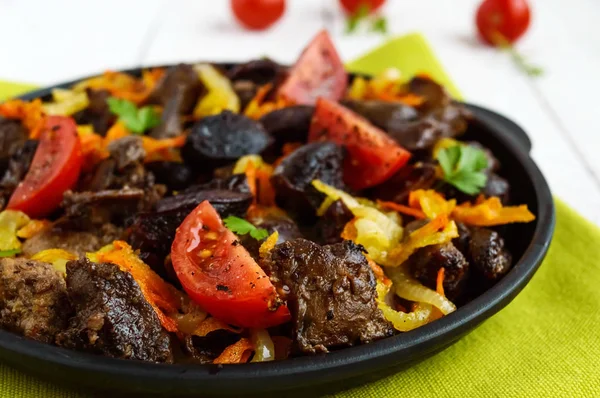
x: 489, y: 257
x: 16, y: 168
x: 425, y: 263
x: 112, y: 316
x: 33, y: 299
x: 97, y: 113
x: 331, y: 294
x: 408, y: 178
x: 12, y: 137
x: 77, y: 242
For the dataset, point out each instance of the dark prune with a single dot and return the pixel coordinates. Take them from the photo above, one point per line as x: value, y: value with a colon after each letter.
x: 176, y: 176
x: 271, y: 221
x: 497, y: 186
x: 489, y: 257
x: 290, y: 124
x: 226, y: 202
x: 383, y: 114
x: 293, y: 177
x: 222, y: 139
x: 260, y: 71
x: 245, y: 90
x: 425, y: 263
x: 409, y: 178
x: 332, y: 223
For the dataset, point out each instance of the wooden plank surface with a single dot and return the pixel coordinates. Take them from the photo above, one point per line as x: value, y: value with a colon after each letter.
x: 59, y: 40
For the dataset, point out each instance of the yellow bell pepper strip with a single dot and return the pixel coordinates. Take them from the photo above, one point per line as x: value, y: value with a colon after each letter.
x: 10, y: 222
x: 57, y: 257
x: 32, y: 228
x: 66, y: 102
x: 403, y: 321
x: 437, y: 231
x: 431, y: 203
x: 220, y: 96
x: 264, y: 348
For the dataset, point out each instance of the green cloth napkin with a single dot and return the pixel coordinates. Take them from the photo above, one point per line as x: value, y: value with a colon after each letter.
x: 544, y: 344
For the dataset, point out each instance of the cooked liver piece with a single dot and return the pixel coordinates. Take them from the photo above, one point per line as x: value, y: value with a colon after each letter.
x: 332, y: 294
x: 112, y: 316
x: 33, y: 299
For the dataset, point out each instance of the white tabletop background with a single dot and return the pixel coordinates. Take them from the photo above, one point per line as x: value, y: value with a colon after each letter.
x: 46, y: 42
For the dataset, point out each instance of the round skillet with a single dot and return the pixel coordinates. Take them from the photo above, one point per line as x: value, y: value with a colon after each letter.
x: 337, y: 370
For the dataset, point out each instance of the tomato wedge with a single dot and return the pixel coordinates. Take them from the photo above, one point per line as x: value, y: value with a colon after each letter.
x: 319, y: 72
x: 373, y: 156
x: 54, y: 169
x: 221, y: 276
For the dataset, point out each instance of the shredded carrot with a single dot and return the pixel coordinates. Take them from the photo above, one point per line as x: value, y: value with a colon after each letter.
x: 268, y: 245
x: 378, y: 271
x: 30, y: 113
x: 350, y: 232
x: 439, y: 282
x: 162, y: 150
x: 239, y: 352
x: 409, y: 99
x: 251, y: 179
x: 124, y: 86
x: 258, y: 107
x: 116, y: 131
x: 210, y: 325
x: 402, y: 209
x: 266, y: 192
x: 163, y: 297
x: 430, y: 202
x: 437, y: 231
x: 490, y: 212
x: 32, y: 228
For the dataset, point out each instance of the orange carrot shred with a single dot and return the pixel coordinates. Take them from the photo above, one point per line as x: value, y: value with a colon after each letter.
x: 33, y: 228
x: 439, y: 282
x: 239, y: 352
x: 402, y: 209
x: 210, y: 325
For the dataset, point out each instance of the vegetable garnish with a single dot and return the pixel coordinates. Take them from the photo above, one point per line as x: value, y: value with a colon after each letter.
x: 463, y: 167
x: 378, y: 24
x: 9, y: 253
x: 431, y: 203
x: 240, y: 226
x: 439, y: 281
x: 29, y: 112
x: 490, y: 212
x: 136, y: 120
x: 239, y: 352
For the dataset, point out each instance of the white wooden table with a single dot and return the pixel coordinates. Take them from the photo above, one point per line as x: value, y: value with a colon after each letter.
x: 46, y: 42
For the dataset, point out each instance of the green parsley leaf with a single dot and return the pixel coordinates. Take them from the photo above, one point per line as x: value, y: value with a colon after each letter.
x: 9, y: 253
x: 463, y: 167
x: 379, y: 25
x: 240, y: 226
x: 353, y: 20
x: 136, y: 120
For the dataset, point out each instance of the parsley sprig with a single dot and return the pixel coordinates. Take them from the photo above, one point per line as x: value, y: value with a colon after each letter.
x: 464, y: 167
x: 136, y: 120
x: 240, y: 226
x: 378, y: 23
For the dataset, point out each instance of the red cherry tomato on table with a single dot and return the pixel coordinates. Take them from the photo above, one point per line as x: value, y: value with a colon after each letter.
x: 221, y: 276
x: 319, y: 72
x: 352, y: 6
x: 499, y: 20
x: 257, y: 14
x: 54, y: 169
x: 373, y: 156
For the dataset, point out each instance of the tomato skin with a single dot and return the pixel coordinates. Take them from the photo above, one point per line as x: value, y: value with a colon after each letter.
x: 257, y: 14
x: 220, y: 275
x: 509, y: 18
x: 318, y: 72
x: 352, y: 6
x: 373, y: 156
x: 54, y: 169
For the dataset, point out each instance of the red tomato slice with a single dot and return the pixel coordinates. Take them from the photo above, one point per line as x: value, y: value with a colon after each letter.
x: 373, y: 156
x: 54, y: 169
x: 220, y: 275
x: 319, y: 72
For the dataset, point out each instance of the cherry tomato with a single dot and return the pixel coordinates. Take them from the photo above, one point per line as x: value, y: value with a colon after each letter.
x: 351, y: 6
x: 373, y: 156
x: 257, y: 14
x: 319, y: 72
x: 221, y: 276
x: 499, y: 20
x: 54, y: 169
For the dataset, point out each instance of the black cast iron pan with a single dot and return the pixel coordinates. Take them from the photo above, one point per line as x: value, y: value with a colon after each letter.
x: 337, y: 370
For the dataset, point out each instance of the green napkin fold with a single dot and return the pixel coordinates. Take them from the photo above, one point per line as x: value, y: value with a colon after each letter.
x: 544, y: 344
